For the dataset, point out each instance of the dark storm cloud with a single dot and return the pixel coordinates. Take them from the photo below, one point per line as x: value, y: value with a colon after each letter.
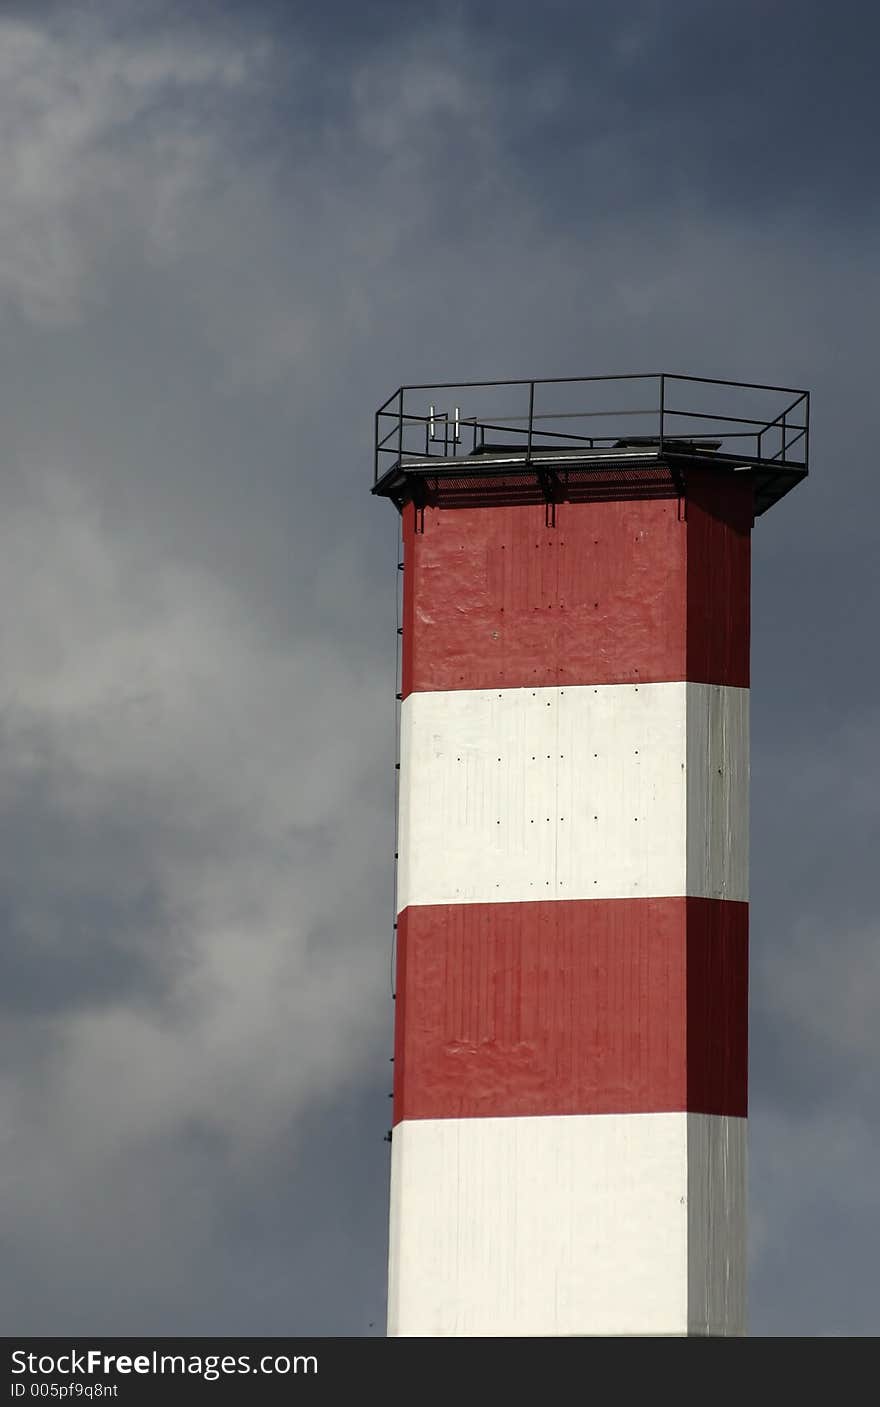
x: 745, y: 108
x: 721, y: 108
x: 293, y: 1245
x: 226, y: 236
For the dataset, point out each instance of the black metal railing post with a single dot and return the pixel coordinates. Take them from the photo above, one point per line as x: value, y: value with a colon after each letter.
x: 531, y: 421
x: 662, y: 407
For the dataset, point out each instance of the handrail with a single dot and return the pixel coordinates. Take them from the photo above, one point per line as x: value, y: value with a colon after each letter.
x: 440, y: 430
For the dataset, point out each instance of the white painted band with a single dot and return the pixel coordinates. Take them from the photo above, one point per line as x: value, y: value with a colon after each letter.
x: 568, y: 1225
x: 613, y: 791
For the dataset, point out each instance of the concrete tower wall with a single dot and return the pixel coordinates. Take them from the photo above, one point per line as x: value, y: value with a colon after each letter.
x: 570, y: 1099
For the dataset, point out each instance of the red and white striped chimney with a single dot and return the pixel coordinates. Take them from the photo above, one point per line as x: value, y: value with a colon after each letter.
x: 570, y: 1091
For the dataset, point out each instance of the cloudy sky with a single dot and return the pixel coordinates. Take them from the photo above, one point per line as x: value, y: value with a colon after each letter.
x: 227, y: 232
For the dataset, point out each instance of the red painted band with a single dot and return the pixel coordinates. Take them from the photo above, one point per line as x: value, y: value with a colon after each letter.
x: 620, y: 590
x: 566, y: 1007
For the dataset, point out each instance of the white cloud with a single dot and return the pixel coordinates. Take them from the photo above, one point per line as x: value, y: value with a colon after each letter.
x: 100, y: 145
x: 153, y: 692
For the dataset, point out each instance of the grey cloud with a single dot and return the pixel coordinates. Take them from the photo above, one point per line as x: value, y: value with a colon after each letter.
x: 814, y: 1247
x: 225, y: 243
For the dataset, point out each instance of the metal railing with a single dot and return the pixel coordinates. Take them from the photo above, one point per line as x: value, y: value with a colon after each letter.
x: 760, y: 424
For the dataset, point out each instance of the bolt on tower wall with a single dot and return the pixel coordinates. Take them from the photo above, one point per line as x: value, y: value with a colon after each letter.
x: 570, y: 1091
